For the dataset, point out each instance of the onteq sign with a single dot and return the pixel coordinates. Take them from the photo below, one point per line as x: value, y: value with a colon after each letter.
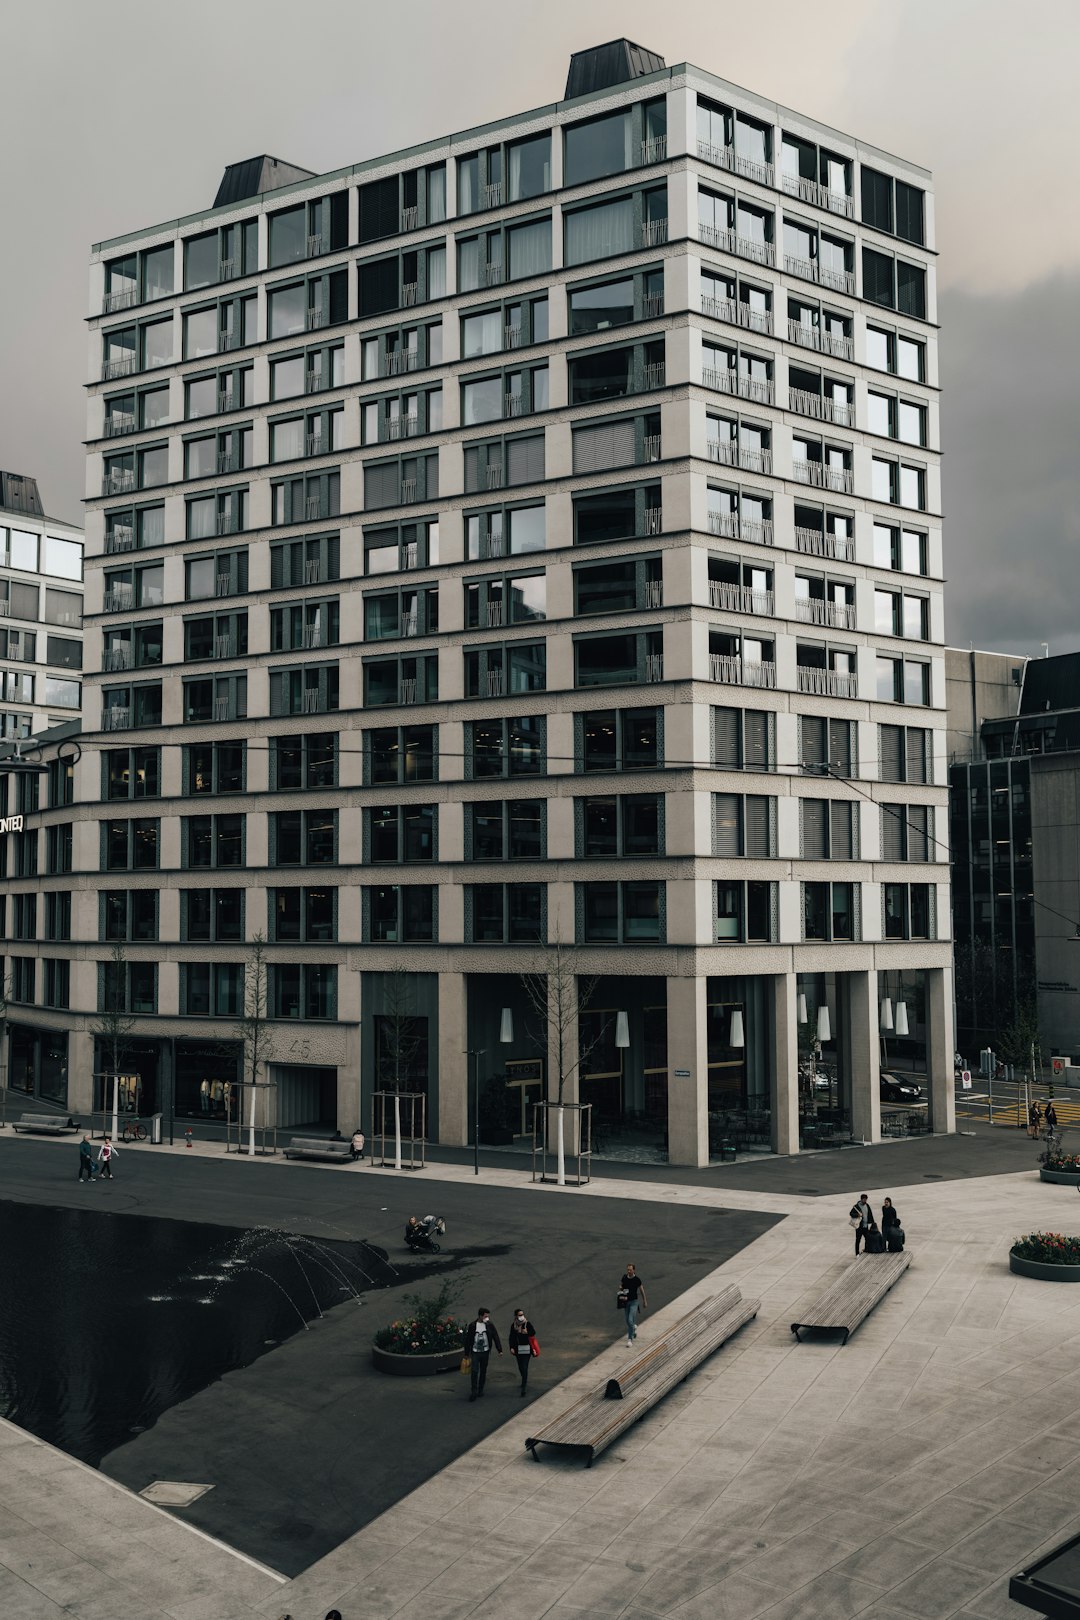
x: 11, y: 824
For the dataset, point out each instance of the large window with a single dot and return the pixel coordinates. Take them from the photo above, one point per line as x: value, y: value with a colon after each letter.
x: 622, y: 825
x: 304, y: 992
x: 620, y: 740
x: 907, y: 910
x: 401, y: 754
x: 906, y: 832
x: 506, y: 747
x: 211, y: 989
x: 621, y: 913
x: 401, y: 833
x: 744, y: 739
x: 827, y: 829
x: 213, y: 841
x: 829, y: 911
x: 396, y: 915
x: 308, y: 761
x: 303, y: 837
x: 303, y: 914
x: 744, y: 825
x: 597, y: 147
x: 594, y: 309
x: 506, y: 913
x: 505, y: 830
x: 905, y: 754
x: 600, y: 231
x: 208, y: 915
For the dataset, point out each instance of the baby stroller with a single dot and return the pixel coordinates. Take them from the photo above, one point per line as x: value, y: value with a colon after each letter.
x: 422, y: 1238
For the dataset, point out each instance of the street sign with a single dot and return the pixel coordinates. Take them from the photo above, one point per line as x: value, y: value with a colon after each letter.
x: 965, y: 1079
x: 1058, y: 1065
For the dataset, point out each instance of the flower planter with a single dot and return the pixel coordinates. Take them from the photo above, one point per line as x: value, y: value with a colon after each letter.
x: 1065, y: 1178
x: 415, y: 1366
x: 1041, y: 1271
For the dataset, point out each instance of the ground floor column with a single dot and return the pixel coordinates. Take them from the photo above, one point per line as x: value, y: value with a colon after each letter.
x: 688, y: 1071
x: 348, y: 1083
x: 454, y: 1062
x: 81, y: 1073
x: 784, y: 1064
x: 865, y: 1055
x: 940, y: 1045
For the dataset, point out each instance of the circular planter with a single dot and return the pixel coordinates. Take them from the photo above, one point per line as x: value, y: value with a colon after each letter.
x: 1043, y: 1272
x: 441, y: 1361
x: 1065, y: 1178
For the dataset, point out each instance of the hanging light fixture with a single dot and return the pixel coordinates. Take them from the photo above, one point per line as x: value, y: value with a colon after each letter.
x: 737, y: 1037
x: 506, y: 1027
x: 622, y: 1030
x: 801, y: 1008
x: 886, y: 1013
x: 824, y: 1028
x: 901, y: 1018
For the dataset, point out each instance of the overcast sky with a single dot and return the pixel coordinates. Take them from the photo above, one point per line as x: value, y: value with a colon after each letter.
x: 120, y: 114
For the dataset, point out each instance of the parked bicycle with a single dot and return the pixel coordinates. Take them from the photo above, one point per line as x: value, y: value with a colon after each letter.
x: 134, y: 1131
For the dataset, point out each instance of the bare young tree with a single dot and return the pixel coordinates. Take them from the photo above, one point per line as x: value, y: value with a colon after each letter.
x: 5, y: 990
x: 557, y: 995
x: 253, y: 1029
x: 114, y: 1023
x: 399, y: 1044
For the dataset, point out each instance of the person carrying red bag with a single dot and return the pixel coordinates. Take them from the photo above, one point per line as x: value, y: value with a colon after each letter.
x: 523, y: 1345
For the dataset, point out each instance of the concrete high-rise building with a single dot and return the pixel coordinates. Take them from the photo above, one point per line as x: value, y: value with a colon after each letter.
x: 41, y: 600
x: 531, y: 538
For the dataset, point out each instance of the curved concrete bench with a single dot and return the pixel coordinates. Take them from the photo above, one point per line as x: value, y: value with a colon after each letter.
x: 307, y: 1147
x: 862, y: 1285
x: 45, y: 1124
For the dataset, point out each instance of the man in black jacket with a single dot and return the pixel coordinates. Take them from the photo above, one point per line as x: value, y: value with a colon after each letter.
x: 863, y: 1217
x: 478, y: 1339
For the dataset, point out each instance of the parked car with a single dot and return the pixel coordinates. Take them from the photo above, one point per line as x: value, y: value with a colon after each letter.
x: 893, y: 1089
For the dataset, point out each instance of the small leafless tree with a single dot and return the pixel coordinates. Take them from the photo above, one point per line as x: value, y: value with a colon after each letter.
x: 399, y: 1033
x: 5, y: 984
x: 114, y: 1024
x: 557, y: 995
x: 253, y: 1029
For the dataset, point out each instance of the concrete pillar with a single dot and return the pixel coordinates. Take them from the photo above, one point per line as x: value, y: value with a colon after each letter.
x: 939, y: 1049
x: 784, y: 1070
x: 688, y: 1071
x: 453, y: 1060
x: 865, y: 1052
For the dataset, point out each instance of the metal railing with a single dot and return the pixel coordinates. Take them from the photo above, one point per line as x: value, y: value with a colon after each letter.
x: 410, y: 623
x: 513, y: 405
x: 816, y: 543
x: 839, y: 280
x: 823, y: 477
x: 117, y: 717
x: 119, y: 599
x: 724, y: 451
x: 756, y: 532
x: 223, y: 647
x: 316, y: 317
x: 653, y: 522
x: 731, y: 670
x: 227, y: 400
x: 837, y: 202
x: 118, y: 368
x: 654, y: 149
x: 812, y: 337
x: 402, y: 427
x: 409, y: 218
x: 312, y: 570
x: 650, y: 447
x: 313, y: 636
x: 492, y: 195
x: 408, y: 491
x: 410, y: 555
x: 118, y: 422
x: 123, y: 298
x: 228, y: 461
x: 315, y: 444
x: 227, y: 522
x: 118, y: 480
x: 316, y: 243
x: 494, y: 615
x: 493, y: 275
x: 494, y: 683
x: 821, y: 408
x: 398, y: 361
x: 744, y: 247
x: 737, y: 312
x: 654, y: 667
x: 725, y: 524
x: 761, y: 390
x: 228, y: 269
x: 826, y: 682
x: 652, y: 306
x: 118, y: 657
x: 653, y: 232
x: 119, y: 538
x: 817, y: 610
x: 313, y: 508
x: 653, y: 375
x: 311, y: 703
x: 409, y: 291
x: 494, y: 476
x: 654, y: 593
x: 726, y: 157
x: 733, y: 598
x: 231, y: 339
x: 315, y: 381
x: 491, y: 545
x: 407, y: 689
x: 811, y: 270
x: 512, y: 337
x: 757, y: 461
x: 225, y: 584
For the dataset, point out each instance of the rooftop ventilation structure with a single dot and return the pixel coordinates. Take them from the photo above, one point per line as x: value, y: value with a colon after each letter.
x: 602, y: 66
x: 20, y: 494
x: 256, y: 175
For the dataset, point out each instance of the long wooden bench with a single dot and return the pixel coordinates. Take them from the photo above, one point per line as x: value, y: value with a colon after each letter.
x: 45, y: 1124
x: 308, y: 1147
x: 600, y: 1417
x: 862, y: 1285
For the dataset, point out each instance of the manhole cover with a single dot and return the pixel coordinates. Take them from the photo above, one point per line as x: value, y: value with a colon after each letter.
x: 174, y: 1492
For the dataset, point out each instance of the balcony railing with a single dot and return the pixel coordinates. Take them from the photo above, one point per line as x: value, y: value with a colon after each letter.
x: 118, y: 480
x: 654, y: 667
x: 400, y: 360
x: 227, y: 400
x: 494, y: 615
x: 410, y: 218
x: 5, y: 607
x: 316, y: 317
x: 653, y: 375
x: 121, y: 537
x: 228, y: 461
x: 823, y: 409
x: 221, y: 709
x: 815, y: 543
x: 312, y: 570
x: 311, y: 703
x: 744, y: 247
x: 225, y: 584
x: 228, y: 269
x: 839, y: 280
x: 812, y: 337
x: 653, y: 520
x: 823, y: 477
x: 810, y: 270
x: 118, y: 368
x: 736, y: 312
x: 492, y: 195
x: 816, y: 610
x: 118, y: 422
x: 654, y: 149
x: 223, y: 647
x: 759, y: 389
x: 408, y: 294
x: 726, y: 157
x: 313, y: 636
x: 652, y: 306
x: 123, y: 298
x: 116, y: 717
x: 119, y: 657
x: 513, y: 405
x: 512, y: 337
x: 650, y: 447
x: 494, y: 684
x: 119, y: 599
x: 232, y: 339
x: 826, y: 682
x: 408, y: 491
x: 494, y: 476
x: 731, y: 670
x: 315, y: 381
x: 407, y: 689
x: 492, y: 545
x: 313, y: 508
x: 756, y: 532
x: 837, y: 202
x: 725, y: 524
x: 227, y: 522
x: 315, y: 444
x: 653, y: 232
x: 316, y: 243
x: 654, y: 593
x: 724, y: 451
x: 733, y: 598
x: 410, y: 624
x: 493, y: 275
x: 402, y: 427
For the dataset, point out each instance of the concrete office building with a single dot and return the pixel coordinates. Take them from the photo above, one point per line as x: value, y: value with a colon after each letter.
x: 531, y: 536
x: 41, y: 589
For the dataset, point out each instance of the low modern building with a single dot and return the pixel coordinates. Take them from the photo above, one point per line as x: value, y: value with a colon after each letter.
x: 41, y: 601
x: 524, y: 545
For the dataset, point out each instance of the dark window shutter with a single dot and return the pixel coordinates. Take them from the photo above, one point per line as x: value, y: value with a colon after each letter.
x: 841, y: 841
x: 757, y: 732
x: 339, y: 296
x: 728, y: 836
x: 813, y: 828
x: 472, y: 469
x: 812, y: 743
x: 378, y: 286
x: 525, y: 460
x: 877, y: 275
x: 910, y: 222
x: 911, y: 289
x: 382, y: 485
x: 609, y: 444
x: 756, y: 826
x: 431, y: 486
x: 877, y: 199
x: 892, y: 832
x: 915, y: 749
x: 726, y: 747
x: 892, y: 754
x: 339, y: 220
x: 379, y: 209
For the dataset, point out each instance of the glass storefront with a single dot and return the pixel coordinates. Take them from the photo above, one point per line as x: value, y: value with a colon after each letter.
x: 38, y: 1063
x: 739, y: 1023
x: 206, y: 1076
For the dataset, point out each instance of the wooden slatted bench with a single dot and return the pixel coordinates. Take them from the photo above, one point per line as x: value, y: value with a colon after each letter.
x: 45, y: 1124
x: 862, y: 1285
x: 307, y: 1147
x: 594, y: 1422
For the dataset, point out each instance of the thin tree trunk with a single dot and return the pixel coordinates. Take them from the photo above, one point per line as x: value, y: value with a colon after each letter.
x: 560, y: 1138
x: 397, y: 1131
x: 115, y: 1103
x: 251, y: 1121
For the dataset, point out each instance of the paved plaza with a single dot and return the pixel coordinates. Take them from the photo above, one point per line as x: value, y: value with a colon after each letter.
x: 903, y: 1476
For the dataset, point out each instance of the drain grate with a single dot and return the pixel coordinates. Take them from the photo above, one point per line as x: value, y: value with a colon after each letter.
x: 173, y: 1492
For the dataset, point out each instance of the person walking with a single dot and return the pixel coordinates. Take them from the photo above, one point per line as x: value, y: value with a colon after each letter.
x: 1034, y: 1119
x: 632, y: 1298
x: 86, y: 1159
x: 523, y: 1345
x: 106, y: 1154
x: 862, y: 1219
x: 1050, y: 1117
x: 478, y: 1339
x: 891, y: 1229
x: 356, y: 1146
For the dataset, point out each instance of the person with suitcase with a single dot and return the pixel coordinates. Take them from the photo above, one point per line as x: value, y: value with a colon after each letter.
x: 862, y: 1219
x: 891, y: 1229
